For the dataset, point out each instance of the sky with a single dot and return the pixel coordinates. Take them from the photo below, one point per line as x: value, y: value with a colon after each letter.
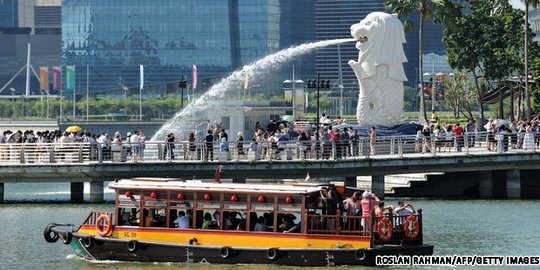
x: 517, y: 3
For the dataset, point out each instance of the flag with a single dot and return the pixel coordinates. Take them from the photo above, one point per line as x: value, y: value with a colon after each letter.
x: 70, y: 77
x: 141, y: 79
x: 57, y: 78
x: 195, y: 77
x: 44, y: 79
x: 246, y: 80
x: 307, y: 177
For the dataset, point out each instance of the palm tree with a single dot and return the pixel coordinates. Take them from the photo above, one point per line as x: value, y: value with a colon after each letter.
x: 535, y: 4
x: 440, y: 10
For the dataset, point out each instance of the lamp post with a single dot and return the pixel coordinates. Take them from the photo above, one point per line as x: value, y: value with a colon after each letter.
x: 318, y: 83
x: 182, y: 84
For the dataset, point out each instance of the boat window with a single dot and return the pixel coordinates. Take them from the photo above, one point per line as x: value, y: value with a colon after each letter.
x: 233, y: 220
x: 287, y: 221
x: 154, y: 217
x: 205, y: 219
x: 261, y: 221
x: 128, y: 198
x: 181, y: 218
x: 128, y: 216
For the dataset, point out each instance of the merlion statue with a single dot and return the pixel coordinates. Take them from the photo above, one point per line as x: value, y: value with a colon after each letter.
x: 379, y: 69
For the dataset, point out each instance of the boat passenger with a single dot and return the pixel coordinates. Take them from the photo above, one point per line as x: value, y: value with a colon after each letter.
x: 369, y: 202
x: 379, y: 212
x: 287, y: 223
x: 182, y: 221
x: 296, y: 228
x: 352, y: 205
x: 261, y: 225
x: 402, y: 211
x: 207, y: 224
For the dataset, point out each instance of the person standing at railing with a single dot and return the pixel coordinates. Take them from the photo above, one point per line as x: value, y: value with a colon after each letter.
x: 209, y: 151
x: 491, y: 142
x: 134, y: 141
x: 458, y: 135
x: 345, y: 143
x: 305, y: 145
x: 528, y: 139
x: 240, y: 144
x: 355, y: 140
x: 402, y: 211
x: 381, y: 209
x: 142, y: 145
x: 368, y: 203
x: 191, y: 146
x: 169, y: 146
x: 470, y: 130
x: 372, y: 140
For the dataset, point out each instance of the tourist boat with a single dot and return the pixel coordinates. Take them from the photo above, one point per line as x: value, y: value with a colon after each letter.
x: 143, y: 226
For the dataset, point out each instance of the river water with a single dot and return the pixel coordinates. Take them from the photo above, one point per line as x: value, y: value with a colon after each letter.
x: 461, y: 227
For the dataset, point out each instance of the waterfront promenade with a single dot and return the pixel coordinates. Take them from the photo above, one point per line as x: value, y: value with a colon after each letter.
x: 78, y: 163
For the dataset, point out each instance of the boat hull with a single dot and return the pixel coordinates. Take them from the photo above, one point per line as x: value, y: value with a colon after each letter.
x: 107, y: 248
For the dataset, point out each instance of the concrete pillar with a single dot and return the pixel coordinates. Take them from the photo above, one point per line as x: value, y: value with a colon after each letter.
x: 239, y: 180
x: 77, y: 192
x: 485, y: 185
x: 350, y: 181
x: 96, y: 191
x: 1, y: 192
x: 377, y: 185
x: 513, y: 184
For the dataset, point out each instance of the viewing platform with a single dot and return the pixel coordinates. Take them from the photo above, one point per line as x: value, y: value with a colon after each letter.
x: 339, y: 161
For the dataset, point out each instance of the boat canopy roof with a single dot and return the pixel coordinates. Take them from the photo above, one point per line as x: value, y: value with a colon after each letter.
x: 176, y: 184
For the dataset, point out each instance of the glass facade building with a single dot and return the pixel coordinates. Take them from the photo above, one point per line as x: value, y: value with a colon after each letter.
x: 168, y: 37
x: 8, y: 13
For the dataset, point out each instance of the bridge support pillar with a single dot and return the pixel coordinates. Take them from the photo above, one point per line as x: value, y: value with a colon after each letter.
x: 377, y: 185
x: 513, y: 184
x: 239, y: 180
x: 350, y: 181
x: 77, y: 192
x: 1, y: 192
x: 96, y: 191
x: 485, y: 185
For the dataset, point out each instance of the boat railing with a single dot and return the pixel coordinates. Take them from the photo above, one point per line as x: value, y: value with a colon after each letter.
x: 336, y: 224
x: 398, y: 230
x: 93, y: 216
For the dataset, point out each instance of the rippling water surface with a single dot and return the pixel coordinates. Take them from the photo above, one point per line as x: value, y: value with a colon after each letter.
x: 468, y: 227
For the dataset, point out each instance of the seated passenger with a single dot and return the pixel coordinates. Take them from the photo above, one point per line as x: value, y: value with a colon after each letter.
x: 287, y: 223
x: 182, y: 221
x: 261, y: 225
x: 296, y: 228
x: 207, y: 224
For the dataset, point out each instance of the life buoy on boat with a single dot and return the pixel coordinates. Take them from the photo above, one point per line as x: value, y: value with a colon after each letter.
x: 360, y: 254
x: 103, y: 225
x: 67, y: 237
x: 88, y: 242
x: 384, y: 228
x: 411, y: 227
x: 225, y: 252
x: 133, y: 245
x: 272, y: 253
x: 49, y: 235
x: 219, y: 171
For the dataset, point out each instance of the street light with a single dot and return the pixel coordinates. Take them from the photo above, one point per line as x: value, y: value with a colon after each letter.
x: 12, y: 94
x: 318, y: 83
x: 182, y: 84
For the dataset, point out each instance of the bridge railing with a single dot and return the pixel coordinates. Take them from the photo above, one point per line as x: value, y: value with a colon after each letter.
x: 249, y: 151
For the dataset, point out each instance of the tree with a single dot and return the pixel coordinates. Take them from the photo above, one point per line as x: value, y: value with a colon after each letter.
x: 484, y: 43
x: 535, y: 4
x: 441, y: 11
x: 456, y: 95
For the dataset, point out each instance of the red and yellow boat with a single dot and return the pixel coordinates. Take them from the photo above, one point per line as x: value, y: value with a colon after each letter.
x: 169, y: 220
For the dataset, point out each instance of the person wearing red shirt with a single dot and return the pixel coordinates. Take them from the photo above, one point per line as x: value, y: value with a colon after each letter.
x: 458, y: 135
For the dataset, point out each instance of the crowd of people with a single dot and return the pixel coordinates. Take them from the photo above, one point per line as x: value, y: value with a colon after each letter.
x: 499, y: 135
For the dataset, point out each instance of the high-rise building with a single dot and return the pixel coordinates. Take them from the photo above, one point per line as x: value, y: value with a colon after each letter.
x: 22, y: 22
x: 168, y: 38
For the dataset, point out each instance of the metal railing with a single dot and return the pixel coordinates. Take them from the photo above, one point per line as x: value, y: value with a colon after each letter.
x: 250, y: 151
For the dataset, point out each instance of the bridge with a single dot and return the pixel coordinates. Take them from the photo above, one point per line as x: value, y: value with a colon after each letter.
x: 342, y: 161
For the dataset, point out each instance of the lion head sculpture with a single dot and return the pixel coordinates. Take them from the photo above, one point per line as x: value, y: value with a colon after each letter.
x: 379, y: 69
x: 380, y: 41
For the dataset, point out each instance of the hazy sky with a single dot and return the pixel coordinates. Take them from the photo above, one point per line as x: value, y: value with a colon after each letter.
x: 517, y: 3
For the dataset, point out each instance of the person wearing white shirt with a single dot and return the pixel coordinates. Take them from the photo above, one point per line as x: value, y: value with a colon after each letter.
x: 182, y: 221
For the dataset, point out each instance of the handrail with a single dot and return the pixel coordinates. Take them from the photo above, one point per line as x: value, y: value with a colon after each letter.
x: 249, y: 151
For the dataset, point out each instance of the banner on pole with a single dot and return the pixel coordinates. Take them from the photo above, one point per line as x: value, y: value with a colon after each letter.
x: 195, y: 77
x: 70, y: 77
x: 141, y: 80
x: 44, y: 78
x: 246, y: 80
x: 57, y: 78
